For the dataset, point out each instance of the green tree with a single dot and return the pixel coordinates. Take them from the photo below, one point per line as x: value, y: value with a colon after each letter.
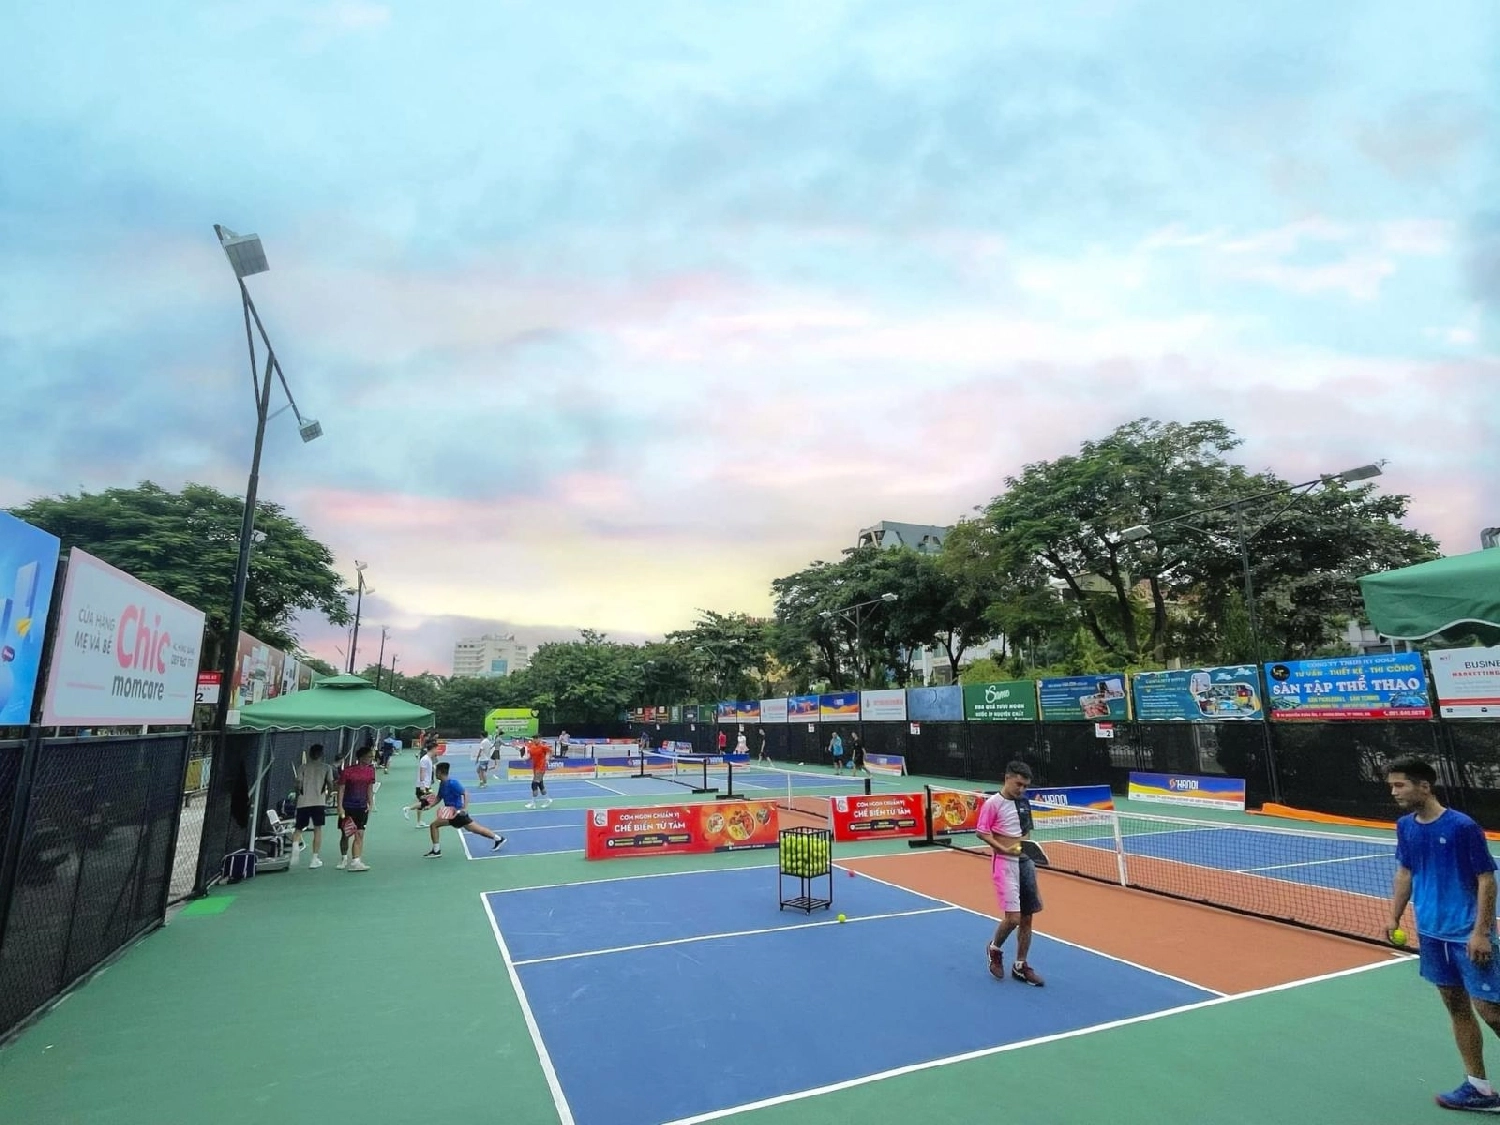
x: 727, y: 654
x: 591, y: 680
x: 186, y: 544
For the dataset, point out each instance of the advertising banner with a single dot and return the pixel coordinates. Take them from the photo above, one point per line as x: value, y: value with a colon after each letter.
x: 883, y: 706
x: 880, y: 816
x: 262, y: 672
x: 724, y: 712
x: 893, y: 764
x: 839, y: 705
x: 126, y: 654
x: 955, y: 810
x: 1005, y: 702
x: 1179, y: 789
x: 1197, y: 695
x: 773, y: 711
x: 513, y: 722
x: 680, y: 829
x: 1389, y: 685
x: 740, y: 711
x: 1091, y: 698
x: 1467, y: 681
x: 802, y: 709
x: 935, y: 704
x: 28, y: 571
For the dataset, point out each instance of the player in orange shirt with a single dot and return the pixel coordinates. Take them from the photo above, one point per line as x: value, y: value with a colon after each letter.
x: 538, y: 752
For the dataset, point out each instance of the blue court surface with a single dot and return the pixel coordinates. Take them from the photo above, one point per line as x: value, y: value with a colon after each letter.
x: 751, y: 1003
x: 548, y: 831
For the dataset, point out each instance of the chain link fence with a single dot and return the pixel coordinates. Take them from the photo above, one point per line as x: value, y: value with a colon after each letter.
x: 90, y: 837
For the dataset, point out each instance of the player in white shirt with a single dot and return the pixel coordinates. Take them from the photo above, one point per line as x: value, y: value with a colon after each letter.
x: 482, y: 759
x: 425, y: 799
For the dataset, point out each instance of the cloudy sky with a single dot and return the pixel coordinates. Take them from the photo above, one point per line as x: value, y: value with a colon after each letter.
x: 613, y: 310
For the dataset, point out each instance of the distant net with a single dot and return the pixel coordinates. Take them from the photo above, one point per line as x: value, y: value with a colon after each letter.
x: 795, y: 791
x: 702, y: 773
x: 1336, y: 883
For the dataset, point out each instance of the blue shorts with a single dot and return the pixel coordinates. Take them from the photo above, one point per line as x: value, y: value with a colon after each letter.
x: 1446, y: 964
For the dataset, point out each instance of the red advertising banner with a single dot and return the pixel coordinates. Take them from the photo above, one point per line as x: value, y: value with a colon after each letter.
x: 955, y: 810
x: 877, y: 816
x: 680, y: 829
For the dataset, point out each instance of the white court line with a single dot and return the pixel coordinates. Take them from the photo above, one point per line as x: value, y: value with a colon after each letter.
x: 1049, y: 937
x: 564, y: 1112
x: 1312, y: 863
x: 735, y: 934
x: 782, y: 1099
x: 629, y: 878
x: 507, y: 830
x: 608, y: 788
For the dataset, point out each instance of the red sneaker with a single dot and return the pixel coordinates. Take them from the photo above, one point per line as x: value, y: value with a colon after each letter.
x: 1026, y: 975
x: 997, y: 962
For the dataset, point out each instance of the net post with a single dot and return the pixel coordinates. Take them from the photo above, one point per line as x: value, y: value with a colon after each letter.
x: 1114, y: 820
x: 729, y: 794
x: 928, y: 840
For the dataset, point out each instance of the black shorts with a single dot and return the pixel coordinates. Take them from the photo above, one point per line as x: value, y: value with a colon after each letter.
x: 310, y: 815
x: 1031, y: 895
x: 361, y: 817
x: 422, y: 792
x: 460, y: 820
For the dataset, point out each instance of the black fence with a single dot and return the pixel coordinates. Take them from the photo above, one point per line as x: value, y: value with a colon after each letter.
x: 1329, y: 767
x: 89, y: 831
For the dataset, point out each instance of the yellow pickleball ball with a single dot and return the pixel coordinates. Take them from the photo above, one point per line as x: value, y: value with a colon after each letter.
x: 1398, y: 937
x: 842, y: 918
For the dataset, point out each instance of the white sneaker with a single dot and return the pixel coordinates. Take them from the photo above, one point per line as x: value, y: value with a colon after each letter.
x: 531, y: 804
x: 343, y: 863
x: 317, y: 862
x: 357, y: 865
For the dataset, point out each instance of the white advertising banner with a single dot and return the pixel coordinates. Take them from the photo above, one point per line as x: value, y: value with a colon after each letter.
x: 773, y: 711
x: 878, y: 706
x: 125, y: 653
x: 1467, y: 682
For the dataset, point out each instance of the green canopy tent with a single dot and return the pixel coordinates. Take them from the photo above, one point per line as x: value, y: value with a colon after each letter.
x: 338, y: 701
x: 1451, y: 599
x: 334, y: 703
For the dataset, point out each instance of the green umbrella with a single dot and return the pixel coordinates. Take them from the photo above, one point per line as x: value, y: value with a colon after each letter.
x: 338, y: 701
x: 1452, y: 598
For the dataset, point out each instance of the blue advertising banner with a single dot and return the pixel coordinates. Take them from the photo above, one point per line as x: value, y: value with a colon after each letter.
x: 1391, y: 685
x: 839, y: 705
x: 935, y: 704
x: 1092, y: 698
x: 1197, y: 694
x: 1181, y: 789
x: 802, y: 709
x: 28, y: 571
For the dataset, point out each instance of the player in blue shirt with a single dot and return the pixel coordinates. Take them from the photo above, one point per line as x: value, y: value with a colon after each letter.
x: 1445, y: 870
x: 453, y: 810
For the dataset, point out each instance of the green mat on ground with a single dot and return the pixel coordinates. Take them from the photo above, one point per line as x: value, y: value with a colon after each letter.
x: 202, y: 907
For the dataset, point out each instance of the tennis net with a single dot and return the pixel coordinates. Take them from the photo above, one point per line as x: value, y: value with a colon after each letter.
x: 1337, y: 883
x: 793, y: 790
x: 702, y: 773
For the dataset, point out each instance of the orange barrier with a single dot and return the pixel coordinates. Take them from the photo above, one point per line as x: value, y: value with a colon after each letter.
x: 1287, y: 812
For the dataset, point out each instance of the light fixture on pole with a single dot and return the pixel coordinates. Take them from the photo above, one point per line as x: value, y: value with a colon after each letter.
x: 1142, y: 531
x: 853, y: 613
x: 247, y: 258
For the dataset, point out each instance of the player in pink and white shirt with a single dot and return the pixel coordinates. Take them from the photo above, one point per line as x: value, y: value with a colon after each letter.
x: 1004, y: 821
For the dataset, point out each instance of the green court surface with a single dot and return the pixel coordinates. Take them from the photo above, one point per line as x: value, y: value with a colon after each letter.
x: 379, y: 997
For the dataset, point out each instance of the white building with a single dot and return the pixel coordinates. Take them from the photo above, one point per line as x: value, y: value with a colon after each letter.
x: 921, y: 537
x: 489, y: 655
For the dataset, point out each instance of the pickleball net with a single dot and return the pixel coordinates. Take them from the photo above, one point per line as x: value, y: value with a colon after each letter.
x: 702, y: 773
x: 794, y: 791
x: 1326, y: 881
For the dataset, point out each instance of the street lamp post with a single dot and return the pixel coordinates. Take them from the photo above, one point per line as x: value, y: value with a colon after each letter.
x: 855, y: 609
x: 247, y: 257
x: 359, y: 604
x: 1242, y: 540
x: 380, y: 660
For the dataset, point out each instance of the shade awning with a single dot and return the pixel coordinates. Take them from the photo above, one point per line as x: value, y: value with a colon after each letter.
x: 338, y: 701
x: 1453, y: 597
